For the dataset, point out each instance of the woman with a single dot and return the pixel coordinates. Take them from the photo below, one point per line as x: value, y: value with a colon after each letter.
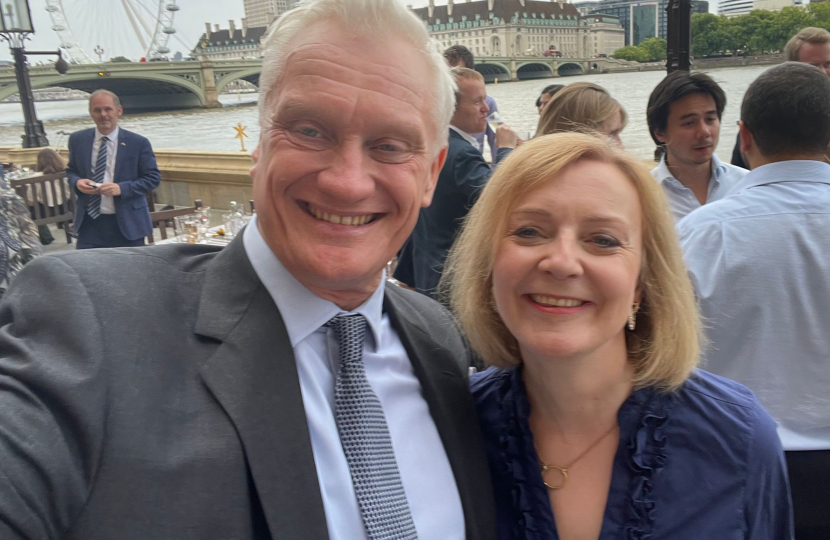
x: 547, y: 93
x: 568, y: 277
x: 583, y: 107
x: 48, y: 162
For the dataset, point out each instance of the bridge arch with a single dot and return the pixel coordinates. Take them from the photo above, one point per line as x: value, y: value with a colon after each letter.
x: 250, y: 75
x: 493, y: 71
x: 136, y: 91
x: 569, y: 68
x: 533, y: 70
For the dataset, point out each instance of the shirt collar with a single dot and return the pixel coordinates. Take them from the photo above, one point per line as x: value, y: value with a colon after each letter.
x: 467, y: 137
x: 663, y: 174
x: 303, y: 312
x: 785, y: 171
x: 113, y: 136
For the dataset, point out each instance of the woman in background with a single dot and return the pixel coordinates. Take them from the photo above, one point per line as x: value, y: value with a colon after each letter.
x: 583, y: 107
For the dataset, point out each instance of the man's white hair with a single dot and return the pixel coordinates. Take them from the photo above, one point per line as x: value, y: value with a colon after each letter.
x: 380, y: 18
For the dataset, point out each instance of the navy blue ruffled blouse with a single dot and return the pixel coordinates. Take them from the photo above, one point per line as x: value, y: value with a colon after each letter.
x: 703, y: 462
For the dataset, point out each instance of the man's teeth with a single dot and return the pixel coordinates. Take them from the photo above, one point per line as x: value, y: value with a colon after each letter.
x: 340, y: 220
x: 556, y: 302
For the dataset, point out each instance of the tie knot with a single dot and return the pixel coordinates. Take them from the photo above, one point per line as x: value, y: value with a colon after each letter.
x: 349, y: 331
x: 105, y: 138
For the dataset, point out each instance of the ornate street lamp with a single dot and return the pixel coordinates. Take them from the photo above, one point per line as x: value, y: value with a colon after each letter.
x: 15, y: 27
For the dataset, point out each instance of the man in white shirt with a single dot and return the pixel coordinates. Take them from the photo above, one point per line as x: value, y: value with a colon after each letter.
x: 684, y: 114
x: 759, y: 261
x: 111, y: 170
x: 280, y: 387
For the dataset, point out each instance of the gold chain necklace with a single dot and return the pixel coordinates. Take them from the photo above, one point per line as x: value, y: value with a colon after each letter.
x: 563, y: 471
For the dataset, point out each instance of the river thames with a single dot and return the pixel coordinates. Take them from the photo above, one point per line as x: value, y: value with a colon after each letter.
x: 201, y: 129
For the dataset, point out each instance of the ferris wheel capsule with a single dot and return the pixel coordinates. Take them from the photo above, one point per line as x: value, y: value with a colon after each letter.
x: 52, y: 9
x: 172, y: 7
x: 163, y: 50
x: 58, y: 28
x: 169, y: 30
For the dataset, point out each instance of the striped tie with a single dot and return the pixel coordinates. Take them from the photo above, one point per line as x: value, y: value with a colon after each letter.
x: 367, y: 445
x: 93, y: 207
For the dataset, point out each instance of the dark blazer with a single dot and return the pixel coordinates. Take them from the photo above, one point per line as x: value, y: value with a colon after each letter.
x: 152, y: 393
x: 464, y: 175
x: 135, y: 171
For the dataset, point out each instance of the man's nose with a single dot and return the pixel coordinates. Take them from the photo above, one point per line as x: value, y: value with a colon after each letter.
x: 347, y: 178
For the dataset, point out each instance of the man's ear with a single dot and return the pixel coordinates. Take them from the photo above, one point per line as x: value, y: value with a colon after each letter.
x: 747, y: 141
x: 434, y: 170
x: 660, y: 135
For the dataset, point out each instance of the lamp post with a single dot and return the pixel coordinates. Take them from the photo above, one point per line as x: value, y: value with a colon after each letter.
x: 15, y: 27
x: 99, y: 51
x: 678, y: 35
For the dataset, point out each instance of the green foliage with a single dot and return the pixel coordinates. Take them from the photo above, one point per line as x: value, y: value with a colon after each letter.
x: 758, y: 32
x: 120, y: 59
x: 630, y: 53
x: 650, y: 50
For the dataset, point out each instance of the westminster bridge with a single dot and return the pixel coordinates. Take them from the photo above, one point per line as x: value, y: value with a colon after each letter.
x: 183, y: 85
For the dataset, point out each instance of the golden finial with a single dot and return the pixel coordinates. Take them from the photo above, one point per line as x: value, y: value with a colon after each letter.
x: 240, y: 134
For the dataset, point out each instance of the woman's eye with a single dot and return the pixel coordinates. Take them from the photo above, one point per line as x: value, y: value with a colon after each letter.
x: 526, y: 232
x: 605, y: 241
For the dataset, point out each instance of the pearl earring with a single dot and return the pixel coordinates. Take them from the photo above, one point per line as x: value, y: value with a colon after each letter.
x: 632, y: 317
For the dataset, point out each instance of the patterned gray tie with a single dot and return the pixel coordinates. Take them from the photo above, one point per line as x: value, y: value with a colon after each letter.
x: 93, y: 207
x: 366, y: 441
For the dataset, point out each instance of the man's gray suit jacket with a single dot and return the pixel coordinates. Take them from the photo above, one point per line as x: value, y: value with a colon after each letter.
x: 152, y: 394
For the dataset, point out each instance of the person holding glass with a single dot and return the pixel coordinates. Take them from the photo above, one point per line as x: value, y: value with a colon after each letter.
x: 568, y: 279
x: 583, y: 107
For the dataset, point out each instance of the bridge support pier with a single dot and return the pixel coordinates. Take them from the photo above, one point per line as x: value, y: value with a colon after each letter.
x: 211, y: 95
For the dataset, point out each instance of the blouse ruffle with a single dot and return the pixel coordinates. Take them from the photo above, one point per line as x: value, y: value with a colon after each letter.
x: 645, y: 445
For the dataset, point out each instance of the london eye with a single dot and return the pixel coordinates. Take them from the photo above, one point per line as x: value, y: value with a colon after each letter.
x: 93, y: 30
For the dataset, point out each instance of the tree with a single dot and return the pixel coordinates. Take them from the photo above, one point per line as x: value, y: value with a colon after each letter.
x: 631, y: 54
x: 654, y: 49
x: 120, y: 59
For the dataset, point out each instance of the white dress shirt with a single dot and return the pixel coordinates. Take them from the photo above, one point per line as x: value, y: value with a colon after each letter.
x: 107, y: 204
x: 760, y: 262
x: 467, y: 137
x: 682, y: 200
x: 425, y: 471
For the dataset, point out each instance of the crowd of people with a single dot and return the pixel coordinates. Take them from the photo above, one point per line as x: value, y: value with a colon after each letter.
x: 573, y: 346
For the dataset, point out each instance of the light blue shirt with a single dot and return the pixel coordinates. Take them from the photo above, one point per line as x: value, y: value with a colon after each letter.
x: 682, y: 200
x: 425, y: 470
x: 760, y: 262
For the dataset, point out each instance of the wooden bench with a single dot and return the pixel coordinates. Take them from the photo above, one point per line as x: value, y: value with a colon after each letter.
x: 50, y: 199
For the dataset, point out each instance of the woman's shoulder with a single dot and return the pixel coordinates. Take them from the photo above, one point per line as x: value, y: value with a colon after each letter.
x: 730, y: 409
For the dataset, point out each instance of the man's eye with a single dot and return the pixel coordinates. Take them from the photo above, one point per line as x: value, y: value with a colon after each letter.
x: 309, y: 132
x: 387, y: 147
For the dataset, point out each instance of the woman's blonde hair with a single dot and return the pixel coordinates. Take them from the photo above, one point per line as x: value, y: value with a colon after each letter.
x: 579, y: 106
x: 48, y: 161
x: 664, y: 348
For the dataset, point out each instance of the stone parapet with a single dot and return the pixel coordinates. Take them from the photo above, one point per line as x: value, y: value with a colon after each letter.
x: 214, y: 177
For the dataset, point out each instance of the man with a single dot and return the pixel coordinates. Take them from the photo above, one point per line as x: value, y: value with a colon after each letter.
x: 278, y: 388
x: 684, y: 113
x: 111, y: 169
x: 811, y: 46
x: 460, y: 56
x: 464, y: 175
x: 758, y: 258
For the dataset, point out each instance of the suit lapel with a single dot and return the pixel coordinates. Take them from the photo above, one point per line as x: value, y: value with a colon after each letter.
x: 254, y: 377
x: 120, y: 147
x: 446, y: 391
x: 85, y: 159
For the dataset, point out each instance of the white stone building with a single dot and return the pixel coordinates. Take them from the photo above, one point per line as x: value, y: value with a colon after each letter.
x: 230, y: 44
x: 605, y: 34
x: 263, y: 12
x: 509, y: 27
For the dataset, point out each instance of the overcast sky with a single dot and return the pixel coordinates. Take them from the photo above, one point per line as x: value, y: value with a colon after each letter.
x: 190, y: 23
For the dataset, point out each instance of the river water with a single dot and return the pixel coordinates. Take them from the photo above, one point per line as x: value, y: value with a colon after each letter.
x: 200, y: 129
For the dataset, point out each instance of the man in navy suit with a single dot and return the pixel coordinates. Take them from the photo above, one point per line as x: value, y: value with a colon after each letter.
x: 421, y: 261
x: 111, y: 170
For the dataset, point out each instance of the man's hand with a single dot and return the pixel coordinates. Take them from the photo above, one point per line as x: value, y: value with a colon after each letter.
x: 85, y: 186
x: 506, y: 137
x: 110, y: 190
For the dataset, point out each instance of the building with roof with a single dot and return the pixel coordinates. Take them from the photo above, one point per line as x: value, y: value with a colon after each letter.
x: 732, y: 8
x: 264, y: 12
x: 641, y: 19
x: 230, y: 44
x: 509, y: 27
x: 605, y: 34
